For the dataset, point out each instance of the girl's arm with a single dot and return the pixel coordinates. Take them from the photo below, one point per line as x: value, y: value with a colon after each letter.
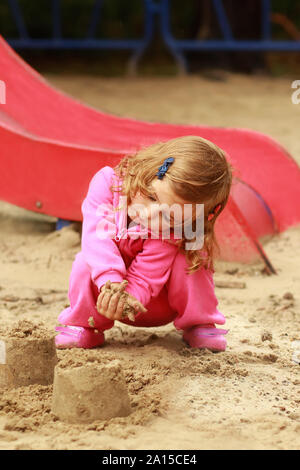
x: 99, y: 249
x: 150, y: 269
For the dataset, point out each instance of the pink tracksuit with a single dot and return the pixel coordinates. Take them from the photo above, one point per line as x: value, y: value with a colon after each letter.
x: 154, y: 268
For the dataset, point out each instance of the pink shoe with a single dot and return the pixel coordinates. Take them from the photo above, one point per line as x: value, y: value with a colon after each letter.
x: 206, y: 336
x: 78, y: 337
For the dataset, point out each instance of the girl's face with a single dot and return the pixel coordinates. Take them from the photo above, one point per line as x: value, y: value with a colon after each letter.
x: 145, y: 210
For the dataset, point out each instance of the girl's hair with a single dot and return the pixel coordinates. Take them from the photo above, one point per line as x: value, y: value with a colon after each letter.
x: 200, y: 174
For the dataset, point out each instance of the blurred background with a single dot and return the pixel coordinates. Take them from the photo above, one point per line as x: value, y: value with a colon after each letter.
x: 114, y: 37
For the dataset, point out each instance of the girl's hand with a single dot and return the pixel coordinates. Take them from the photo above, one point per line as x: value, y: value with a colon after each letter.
x: 132, y: 307
x: 114, y: 303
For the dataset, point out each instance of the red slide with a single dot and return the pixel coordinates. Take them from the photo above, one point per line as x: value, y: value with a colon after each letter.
x: 51, y: 145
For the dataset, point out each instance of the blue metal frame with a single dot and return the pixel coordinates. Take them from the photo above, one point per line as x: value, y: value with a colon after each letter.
x: 138, y: 46
x: 61, y: 223
x: 160, y: 8
x: 228, y: 43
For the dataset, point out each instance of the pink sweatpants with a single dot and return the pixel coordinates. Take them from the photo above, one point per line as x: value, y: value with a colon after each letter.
x: 186, y: 299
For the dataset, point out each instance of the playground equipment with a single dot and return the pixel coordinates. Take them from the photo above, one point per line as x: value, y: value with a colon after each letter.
x: 154, y: 11
x: 52, y: 145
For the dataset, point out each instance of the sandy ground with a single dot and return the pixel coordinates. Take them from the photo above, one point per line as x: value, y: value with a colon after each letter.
x: 245, y: 398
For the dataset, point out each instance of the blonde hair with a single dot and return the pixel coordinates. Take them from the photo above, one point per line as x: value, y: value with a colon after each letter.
x: 200, y: 174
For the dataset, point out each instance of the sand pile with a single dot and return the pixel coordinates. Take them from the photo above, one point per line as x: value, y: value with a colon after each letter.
x: 89, y: 392
x: 27, y: 354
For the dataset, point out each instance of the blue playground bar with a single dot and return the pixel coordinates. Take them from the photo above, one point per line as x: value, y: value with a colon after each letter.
x: 153, y: 9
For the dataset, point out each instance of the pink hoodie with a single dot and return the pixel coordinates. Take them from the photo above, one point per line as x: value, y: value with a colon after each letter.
x: 145, y: 262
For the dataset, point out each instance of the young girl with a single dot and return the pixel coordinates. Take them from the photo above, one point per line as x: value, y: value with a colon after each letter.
x: 163, y: 279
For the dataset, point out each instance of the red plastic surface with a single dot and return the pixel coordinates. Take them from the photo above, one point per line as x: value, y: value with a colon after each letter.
x: 254, y: 209
x: 51, y: 146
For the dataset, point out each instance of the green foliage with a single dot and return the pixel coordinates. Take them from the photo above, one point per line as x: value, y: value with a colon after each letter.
x: 7, y: 27
x: 289, y: 8
x: 182, y: 18
x: 118, y: 19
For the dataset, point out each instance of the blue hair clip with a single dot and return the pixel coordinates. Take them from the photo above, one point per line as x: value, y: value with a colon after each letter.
x: 164, y: 167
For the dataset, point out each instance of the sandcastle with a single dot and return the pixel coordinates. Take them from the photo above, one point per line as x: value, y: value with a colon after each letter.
x: 84, y: 389
x: 27, y: 355
x: 90, y: 392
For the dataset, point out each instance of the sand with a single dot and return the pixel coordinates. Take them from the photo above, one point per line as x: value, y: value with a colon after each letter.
x: 27, y: 354
x: 245, y: 398
x: 93, y: 391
